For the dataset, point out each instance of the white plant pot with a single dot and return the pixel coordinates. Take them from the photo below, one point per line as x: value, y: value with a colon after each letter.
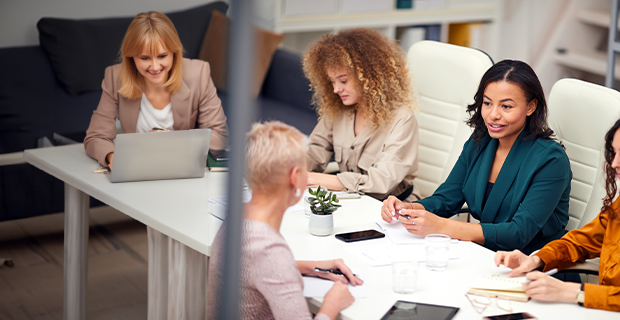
x: 321, y: 225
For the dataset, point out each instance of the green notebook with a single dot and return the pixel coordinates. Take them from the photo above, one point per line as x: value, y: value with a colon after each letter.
x: 217, y: 165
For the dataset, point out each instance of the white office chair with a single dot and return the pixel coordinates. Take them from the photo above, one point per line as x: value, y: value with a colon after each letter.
x: 445, y: 78
x: 581, y: 113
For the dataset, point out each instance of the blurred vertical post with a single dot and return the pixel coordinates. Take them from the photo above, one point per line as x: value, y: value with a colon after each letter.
x: 613, y: 45
x: 240, y: 75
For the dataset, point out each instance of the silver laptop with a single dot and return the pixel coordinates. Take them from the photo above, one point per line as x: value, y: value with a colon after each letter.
x: 160, y: 155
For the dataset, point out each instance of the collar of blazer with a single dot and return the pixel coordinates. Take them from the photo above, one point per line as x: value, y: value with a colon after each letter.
x: 506, y: 176
x: 181, y: 110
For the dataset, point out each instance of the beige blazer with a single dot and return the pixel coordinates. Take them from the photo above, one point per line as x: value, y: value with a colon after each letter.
x: 195, y: 105
x: 379, y: 162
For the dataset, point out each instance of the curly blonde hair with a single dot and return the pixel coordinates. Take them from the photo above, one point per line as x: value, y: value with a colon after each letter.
x: 376, y: 62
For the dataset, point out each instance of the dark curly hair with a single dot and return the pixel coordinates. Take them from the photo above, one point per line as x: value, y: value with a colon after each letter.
x: 610, y: 173
x: 378, y: 68
x: 521, y: 74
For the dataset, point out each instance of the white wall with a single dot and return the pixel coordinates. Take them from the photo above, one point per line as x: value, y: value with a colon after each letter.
x: 18, y: 18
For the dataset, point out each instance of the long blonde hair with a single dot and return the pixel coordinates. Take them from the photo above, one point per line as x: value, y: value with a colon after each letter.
x: 378, y: 67
x: 149, y: 30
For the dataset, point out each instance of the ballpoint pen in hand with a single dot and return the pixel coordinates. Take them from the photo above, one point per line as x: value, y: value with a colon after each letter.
x: 549, y: 273
x: 338, y: 272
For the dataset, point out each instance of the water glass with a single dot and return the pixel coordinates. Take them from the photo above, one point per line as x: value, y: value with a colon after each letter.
x: 437, y: 251
x: 404, y: 276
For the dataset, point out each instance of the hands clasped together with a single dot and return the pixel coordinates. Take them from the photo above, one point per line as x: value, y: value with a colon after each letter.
x: 413, y: 217
x: 541, y: 286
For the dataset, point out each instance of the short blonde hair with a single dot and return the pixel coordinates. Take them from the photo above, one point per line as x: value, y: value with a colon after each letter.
x: 149, y: 30
x: 272, y: 150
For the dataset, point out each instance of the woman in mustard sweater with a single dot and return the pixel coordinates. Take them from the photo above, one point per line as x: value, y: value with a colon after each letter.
x: 599, y: 238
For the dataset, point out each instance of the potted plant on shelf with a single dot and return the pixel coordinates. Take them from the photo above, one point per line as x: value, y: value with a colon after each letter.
x: 322, y: 205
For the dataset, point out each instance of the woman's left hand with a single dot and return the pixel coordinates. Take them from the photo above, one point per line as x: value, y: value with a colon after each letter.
x: 422, y: 222
x: 337, y: 264
x: 544, y: 287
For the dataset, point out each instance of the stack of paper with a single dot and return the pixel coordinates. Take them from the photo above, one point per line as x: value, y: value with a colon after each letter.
x: 399, y: 235
x: 384, y: 255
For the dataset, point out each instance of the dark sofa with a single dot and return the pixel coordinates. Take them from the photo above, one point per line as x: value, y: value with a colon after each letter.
x: 35, y: 104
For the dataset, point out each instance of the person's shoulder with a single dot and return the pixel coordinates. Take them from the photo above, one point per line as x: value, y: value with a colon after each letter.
x: 546, y: 146
x: 259, y: 236
x: 194, y: 66
x: 403, y: 109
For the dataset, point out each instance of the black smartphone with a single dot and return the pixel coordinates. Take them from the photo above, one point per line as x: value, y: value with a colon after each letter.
x: 219, y: 155
x: 511, y: 316
x: 360, y: 235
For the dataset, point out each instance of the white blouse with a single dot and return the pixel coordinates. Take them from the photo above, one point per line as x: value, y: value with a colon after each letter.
x: 149, y: 117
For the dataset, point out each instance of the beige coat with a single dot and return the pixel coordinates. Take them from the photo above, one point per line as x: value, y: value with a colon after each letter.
x: 379, y: 162
x: 195, y: 105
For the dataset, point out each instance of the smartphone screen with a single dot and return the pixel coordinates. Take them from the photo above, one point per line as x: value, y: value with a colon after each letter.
x: 512, y: 316
x: 360, y: 235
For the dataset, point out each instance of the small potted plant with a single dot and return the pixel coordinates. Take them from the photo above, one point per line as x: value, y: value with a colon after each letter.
x: 322, y: 205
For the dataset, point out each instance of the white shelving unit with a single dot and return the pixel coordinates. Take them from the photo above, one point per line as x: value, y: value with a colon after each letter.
x: 302, y: 30
x: 578, y: 47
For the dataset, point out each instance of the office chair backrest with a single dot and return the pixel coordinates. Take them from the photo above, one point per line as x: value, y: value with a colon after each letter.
x: 581, y: 113
x: 445, y: 78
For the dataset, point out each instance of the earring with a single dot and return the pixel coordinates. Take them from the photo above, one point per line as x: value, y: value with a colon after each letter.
x: 297, y: 192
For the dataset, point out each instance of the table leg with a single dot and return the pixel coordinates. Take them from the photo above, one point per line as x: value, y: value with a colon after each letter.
x: 77, y: 206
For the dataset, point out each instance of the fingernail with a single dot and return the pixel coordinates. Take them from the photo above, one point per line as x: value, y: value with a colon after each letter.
x: 394, y: 219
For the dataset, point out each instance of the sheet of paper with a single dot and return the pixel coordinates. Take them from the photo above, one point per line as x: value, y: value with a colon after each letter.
x: 399, y: 235
x: 384, y: 255
x: 294, y: 208
x: 317, y: 287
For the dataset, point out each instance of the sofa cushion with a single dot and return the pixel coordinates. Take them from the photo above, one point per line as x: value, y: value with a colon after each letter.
x: 80, y: 50
x: 215, y: 51
x: 286, y: 82
x: 33, y: 104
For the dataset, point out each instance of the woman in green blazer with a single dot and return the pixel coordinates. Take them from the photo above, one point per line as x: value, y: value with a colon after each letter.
x: 514, y: 177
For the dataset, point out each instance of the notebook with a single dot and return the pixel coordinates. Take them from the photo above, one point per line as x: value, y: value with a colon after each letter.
x: 501, y: 286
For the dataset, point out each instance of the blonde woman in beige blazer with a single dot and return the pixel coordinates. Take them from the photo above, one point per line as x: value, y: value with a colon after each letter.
x: 195, y: 105
x: 367, y: 121
x: 154, y: 87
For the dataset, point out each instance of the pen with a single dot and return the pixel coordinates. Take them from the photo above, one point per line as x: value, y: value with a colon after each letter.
x: 338, y: 272
x: 406, y: 216
x: 549, y: 273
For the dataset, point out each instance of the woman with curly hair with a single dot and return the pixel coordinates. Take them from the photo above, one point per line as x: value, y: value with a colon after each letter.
x: 367, y: 123
x: 599, y: 238
x: 513, y: 175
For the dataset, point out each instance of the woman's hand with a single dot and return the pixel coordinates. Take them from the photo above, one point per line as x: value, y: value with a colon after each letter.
x: 544, y: 287
x: 337, y: 299
x: 422, y: 222
x: 109, y: 158
x: 391, y: 205
x: 517, y: 261
x: 337, y: 264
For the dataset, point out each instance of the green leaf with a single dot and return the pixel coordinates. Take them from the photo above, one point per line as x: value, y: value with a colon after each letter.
x: 337, y: 200
x: 334, y: 198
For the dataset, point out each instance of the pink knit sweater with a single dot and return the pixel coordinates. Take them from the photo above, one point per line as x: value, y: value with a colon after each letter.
x: 272, y: 287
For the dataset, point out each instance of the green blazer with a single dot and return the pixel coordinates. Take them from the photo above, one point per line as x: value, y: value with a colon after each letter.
x: 528, y: 205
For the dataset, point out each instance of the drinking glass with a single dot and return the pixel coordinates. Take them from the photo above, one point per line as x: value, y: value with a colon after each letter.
x: 404, y: 276
x: 437, y: 251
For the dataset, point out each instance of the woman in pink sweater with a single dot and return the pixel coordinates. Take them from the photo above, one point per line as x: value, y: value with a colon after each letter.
x: 271, y: 283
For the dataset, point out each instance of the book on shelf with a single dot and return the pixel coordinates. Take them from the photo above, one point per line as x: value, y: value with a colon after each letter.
x: 499, y: 285
x: 470, y: 34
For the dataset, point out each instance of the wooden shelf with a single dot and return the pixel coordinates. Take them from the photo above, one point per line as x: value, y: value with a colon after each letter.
x: 403, y: 17
x: 597, y: 18
x: 592, y: 62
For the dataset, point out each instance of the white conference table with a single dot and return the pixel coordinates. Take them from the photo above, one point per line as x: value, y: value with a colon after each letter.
x: 179, y: 209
